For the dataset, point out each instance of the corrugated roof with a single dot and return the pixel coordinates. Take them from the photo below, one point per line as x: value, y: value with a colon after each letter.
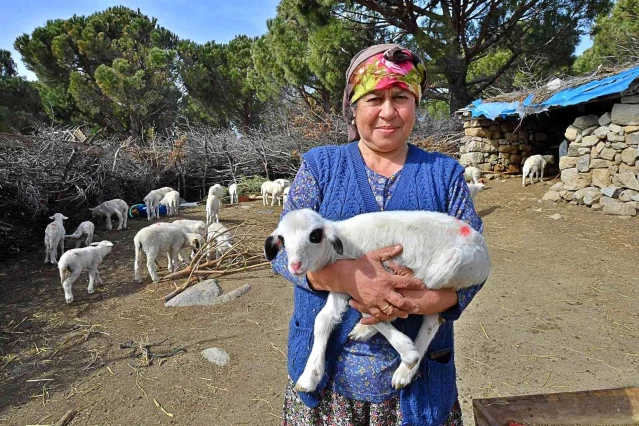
x: 622, y: 83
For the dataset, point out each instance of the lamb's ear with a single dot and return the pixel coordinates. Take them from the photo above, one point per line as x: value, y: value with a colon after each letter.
x: 52, y: 217
x: 64, y: 218
x: 95, y: 244
x: 332, y: 238
x: 272, y: 246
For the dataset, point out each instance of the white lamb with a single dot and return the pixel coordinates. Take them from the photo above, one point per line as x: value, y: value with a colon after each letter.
x: 116, y: 207
x: 194, y: 226
x: 285, y: 194
x: 154, y: 240
x: 271, y: 188
x: 54, y: 238
x: 473, y: 174
x: 86, y: 228
x: 533, y: 167
x: 284, y: 183
x: 441, y: 250
x: 162, y: 191
x: 152, y: 204
x: 195, y: 229
x: 219, y: 239
x: 171, y: 200
x: 474, y: 189
x: 217, y: 190
x: 213, y: 205
x: 77, y: 260
x: 233, y: 191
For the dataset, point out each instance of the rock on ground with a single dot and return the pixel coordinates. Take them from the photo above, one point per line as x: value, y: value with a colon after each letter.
x: 216, y: 356
x: 206, y: 293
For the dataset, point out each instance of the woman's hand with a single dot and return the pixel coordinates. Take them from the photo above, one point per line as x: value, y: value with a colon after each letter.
x: 366, y: 280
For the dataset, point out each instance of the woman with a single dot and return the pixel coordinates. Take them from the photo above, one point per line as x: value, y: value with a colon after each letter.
x: 377, y: 171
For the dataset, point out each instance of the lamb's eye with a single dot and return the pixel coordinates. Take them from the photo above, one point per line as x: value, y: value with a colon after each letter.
x: 279, y: 237
x: 316, y: 236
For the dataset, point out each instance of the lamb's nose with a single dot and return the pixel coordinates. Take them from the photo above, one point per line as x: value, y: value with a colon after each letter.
x: 295, y: 266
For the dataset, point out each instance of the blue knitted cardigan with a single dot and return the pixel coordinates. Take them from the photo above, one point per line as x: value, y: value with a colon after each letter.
x: 424, y: 184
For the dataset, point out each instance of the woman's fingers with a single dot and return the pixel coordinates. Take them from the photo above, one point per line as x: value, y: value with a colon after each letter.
x: 398, y: 269
x: 400, y: 305
x: 408, y: 283
x: 385, y: 253
x: 359, y: 306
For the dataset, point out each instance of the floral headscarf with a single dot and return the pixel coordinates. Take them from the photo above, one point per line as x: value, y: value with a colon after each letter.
x: 377, y: 68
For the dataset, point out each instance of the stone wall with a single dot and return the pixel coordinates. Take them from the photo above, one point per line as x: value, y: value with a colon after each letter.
x: 601, y: 167
x: 499, y: 145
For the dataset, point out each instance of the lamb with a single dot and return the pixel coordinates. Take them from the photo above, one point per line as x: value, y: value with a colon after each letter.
x: 154, y: 240
x: 442, y: 251
x: 77, y: 260
x: 85, y: 228
x: 195, y: 229
x: 285, y: 194
x: 222, y: 237
x: 472, y: 173
x: 54, y: 238
x: 233, y: 192
x: 474, y: 189
x: 118, y: 207
x: 171, y: 200
x: 534, y: 166
x: 152, y: 204
x: 162, y: 191
x: 284, y: 183
x: 213, y: 204
x: 194, y: 226
x: 271, y: 188
x: 217, y: 190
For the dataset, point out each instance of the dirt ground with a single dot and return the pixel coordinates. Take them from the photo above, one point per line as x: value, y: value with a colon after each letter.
x: 560, y: 312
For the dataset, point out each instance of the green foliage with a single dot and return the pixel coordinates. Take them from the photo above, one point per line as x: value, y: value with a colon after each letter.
x: 20, y: 106
x: 615, y: 38
x: 114, y: 69
x: 8, y: 67
x: 250, y: 184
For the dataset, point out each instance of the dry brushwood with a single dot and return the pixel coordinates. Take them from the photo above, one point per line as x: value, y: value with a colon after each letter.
x: 239, y: 257
x: 146, y: 354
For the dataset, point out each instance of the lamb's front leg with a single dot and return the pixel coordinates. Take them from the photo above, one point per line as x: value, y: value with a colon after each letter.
x: 120, y: 219
x: 404, y: 375
x: 108, y: 222
x: 326, y: 320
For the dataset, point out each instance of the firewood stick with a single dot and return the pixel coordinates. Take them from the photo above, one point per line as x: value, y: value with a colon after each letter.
x: 68, y: 416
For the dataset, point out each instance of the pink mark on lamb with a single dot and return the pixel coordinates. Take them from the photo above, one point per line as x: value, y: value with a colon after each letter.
x: 465, y: 230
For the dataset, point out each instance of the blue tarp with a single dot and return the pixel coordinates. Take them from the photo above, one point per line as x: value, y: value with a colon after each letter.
x: 621, y: 83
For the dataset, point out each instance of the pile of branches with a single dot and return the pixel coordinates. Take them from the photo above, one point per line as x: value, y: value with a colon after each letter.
x: 243, y: 255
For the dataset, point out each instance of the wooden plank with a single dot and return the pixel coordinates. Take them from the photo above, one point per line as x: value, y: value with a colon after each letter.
x: 606, y: 406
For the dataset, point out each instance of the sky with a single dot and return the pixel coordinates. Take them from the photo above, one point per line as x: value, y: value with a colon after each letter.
x: 197, y: 20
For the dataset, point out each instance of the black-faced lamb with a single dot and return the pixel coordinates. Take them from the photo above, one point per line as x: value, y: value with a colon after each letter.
x: 155, y: 240
x: 441, y: 250
x: 116, y: 207
x: 54, y: 238
x: 75, y: 261
x: 86, y: 230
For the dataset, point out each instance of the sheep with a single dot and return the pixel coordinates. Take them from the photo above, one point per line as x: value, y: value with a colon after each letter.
x: 152, y: 204
x: 472, y: 174
x: 54, y: 238
x: 77, y: 260
x: 284, y: 183
x: 285, y: 194
x: 271, y: 188
x: 162, y: 191
x: 171, y: 200
x: 441, y: 250
x: 154, y: 240
x: 118, y: 207
x: 217, y: 190
x: 222, y: 237
x: 191, y: 228
x: 85, y: 228
x: 194, y: 226
x: 533, y: 167
x: 474, y: 189
x: 233, y: 191
x: 213, y: 204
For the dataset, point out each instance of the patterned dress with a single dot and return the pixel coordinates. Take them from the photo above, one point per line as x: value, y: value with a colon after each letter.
x: 358, y: 380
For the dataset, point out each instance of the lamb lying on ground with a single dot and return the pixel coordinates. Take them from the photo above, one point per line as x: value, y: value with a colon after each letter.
x: 86, y: 228
x: 54, y: 238
x: 442, y: 251
x: 171, y: 200
x: 118, y: 207
x: 154, y: 240
x: 76, y: 260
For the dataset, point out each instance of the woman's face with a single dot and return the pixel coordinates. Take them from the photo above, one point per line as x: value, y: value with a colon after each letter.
x: 385, y: 118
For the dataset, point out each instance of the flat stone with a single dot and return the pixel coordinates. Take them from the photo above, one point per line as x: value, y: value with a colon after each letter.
x: 628, y: 195
x: 611, y: 191
x: 631, y: 129
x: 601, y: 132
x: 598, y: 163
x: 619, y: 146
x: 583, y: 163
x: 632, y: 139
x: 588, y: 131
x: 613, y: 137
x: 553, y: 196
x: 586, y: 121
x: 476, y: 146
x: 635, y: 198
x: 623, y: 167
x: 604, y: 120
x: 629, y: 156
x: 217, y: 356
x: 625, y: 114
x: 589, y: 141
x: 631, y: 99
x: 596, y: 207
x: 614, y: 128
x: 559, y: 186
x: 573, y: 149
x: 471, y: 158
x: 579, y: 195
x: 619, y: 208
x: 477, y: 131
x: 627, y: 180
x: 592, y: 197
x: 567, y: 195
x: 512, y: 136
x: 555, y: 216
x: 573, y: 180
x: 607, y: 153
x: 601, y: 178
x: 571, y: 133
x: 196, y: 295
x: 566, y: 162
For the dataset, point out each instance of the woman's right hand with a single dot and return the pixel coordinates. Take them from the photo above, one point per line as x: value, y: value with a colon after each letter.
x: 366, y: 280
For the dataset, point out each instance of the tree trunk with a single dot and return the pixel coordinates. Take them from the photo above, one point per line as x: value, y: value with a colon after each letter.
x: 456, y: 71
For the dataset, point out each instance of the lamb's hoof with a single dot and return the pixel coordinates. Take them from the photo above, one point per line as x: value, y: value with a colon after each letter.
x: 91, y: 291
x: 137, y: 280
x: 403, y: 376
x: 53, y: 262
x: 68, y: 300
x: 308, y: 382
x: 361, y: 333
